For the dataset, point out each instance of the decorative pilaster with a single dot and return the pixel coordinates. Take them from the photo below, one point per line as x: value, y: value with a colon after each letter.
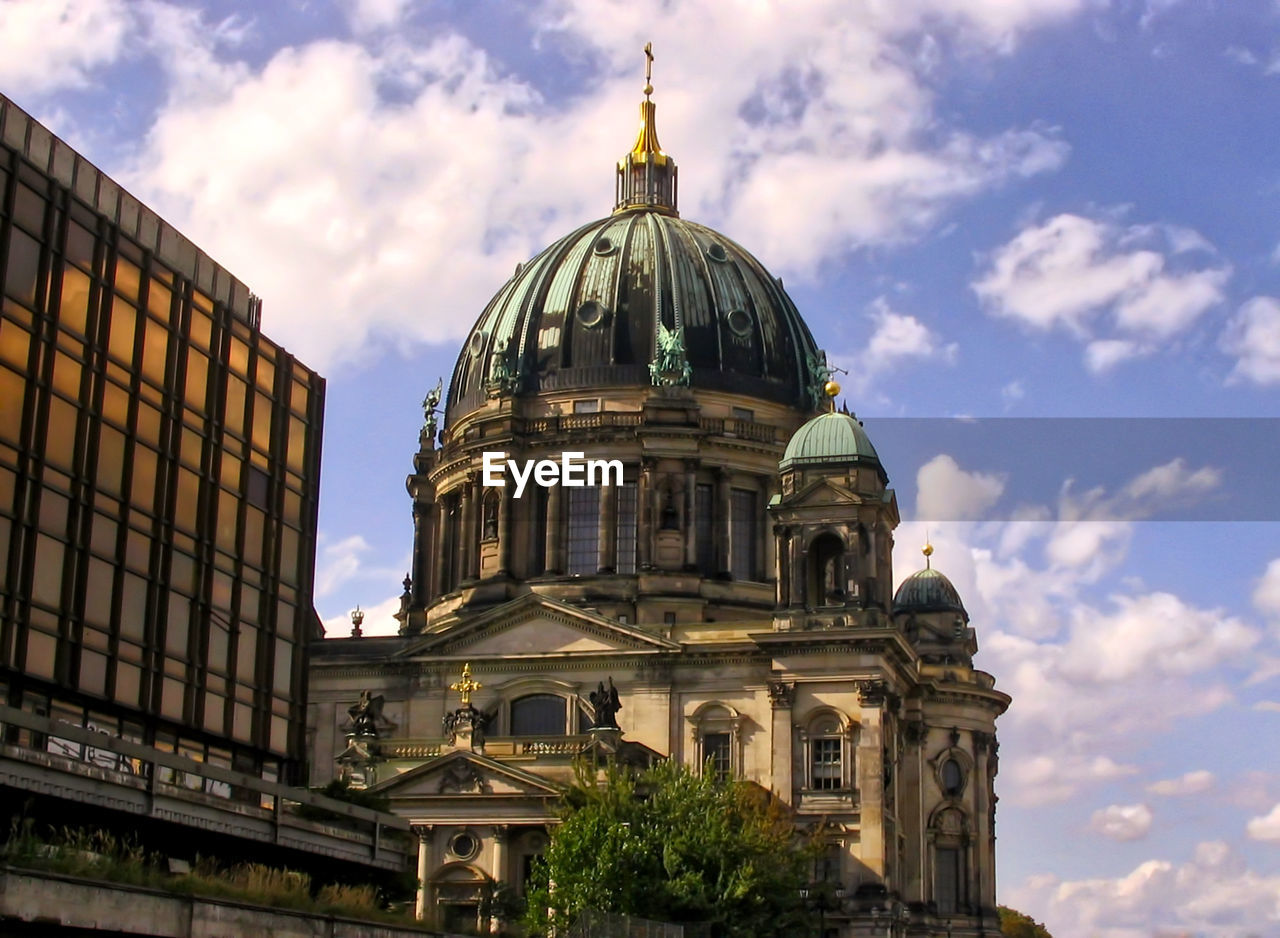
x: 555, y: 536
x: 690, y: 514
x: 426, y: 833
x: 501, y: 835
x: 782, y: 695
x: 466, y: 532
x: 607, y: 530
x: 722, y: 520
x: 644, y: 521
x: 504, y: 531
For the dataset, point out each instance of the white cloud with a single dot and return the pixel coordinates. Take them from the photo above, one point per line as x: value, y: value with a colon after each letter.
x: 1044, y: 779
x: 1122, y: 291
x: 1122, y: 821
x: 339, y: 562
x: 50, y: 44
x: 421, y: 171
x: 1267, y: 706
x: 1266, y: 595
x: 1253, y: 337
x: 1266, y: 827
x: 1192, y: 783
x: 897, y: 338
x: 1213, y: 895
x: 945, y: 492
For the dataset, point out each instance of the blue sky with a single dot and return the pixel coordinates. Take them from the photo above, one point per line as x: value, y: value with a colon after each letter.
x: 1013, y: 209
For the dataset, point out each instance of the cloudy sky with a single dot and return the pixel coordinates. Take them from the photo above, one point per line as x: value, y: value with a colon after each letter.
x: 1003, y: 209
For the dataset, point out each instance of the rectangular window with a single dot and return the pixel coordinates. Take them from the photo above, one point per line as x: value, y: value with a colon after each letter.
x: 626, y: 528
x: 586, y: 407
x: 703, y: 527
x: 715, y: 751
x: 947, y: 873
x: 743, y: 523
x: 826, y: 764
x: 584, y: 530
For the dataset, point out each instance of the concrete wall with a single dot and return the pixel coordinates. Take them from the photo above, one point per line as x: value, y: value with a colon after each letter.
x: 53, y: 902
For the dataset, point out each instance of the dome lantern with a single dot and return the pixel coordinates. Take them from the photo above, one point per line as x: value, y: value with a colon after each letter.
x: 647, y: 177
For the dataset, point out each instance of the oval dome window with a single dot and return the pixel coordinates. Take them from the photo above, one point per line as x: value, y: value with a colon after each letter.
x: 591, y: 313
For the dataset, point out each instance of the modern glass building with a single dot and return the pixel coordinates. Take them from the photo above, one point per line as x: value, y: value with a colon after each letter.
x: 159, y: 466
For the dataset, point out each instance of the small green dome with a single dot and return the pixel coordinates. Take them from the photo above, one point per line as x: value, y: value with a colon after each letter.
x: 928, y: 591
x: 829, y: 438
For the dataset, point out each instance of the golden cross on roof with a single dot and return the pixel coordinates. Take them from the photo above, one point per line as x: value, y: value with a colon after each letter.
x: 465, y: 686
x: 648, y: 69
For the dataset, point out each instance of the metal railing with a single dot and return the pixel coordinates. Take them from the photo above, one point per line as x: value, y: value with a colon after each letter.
x: 157, y: 782
x: 594, y: 924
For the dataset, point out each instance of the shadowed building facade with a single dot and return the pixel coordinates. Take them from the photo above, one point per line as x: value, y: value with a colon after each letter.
x: 159, y: 468
x: 735, y: 589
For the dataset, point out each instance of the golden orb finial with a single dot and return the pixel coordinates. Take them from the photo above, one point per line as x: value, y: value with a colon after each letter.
x: 648, y: 69
x: 831, y: 389
x: 927, y: 550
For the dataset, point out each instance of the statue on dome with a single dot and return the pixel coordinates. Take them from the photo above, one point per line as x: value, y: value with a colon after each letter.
x: 502, y: 380
x: 430, y: 407
x: 670, y: 366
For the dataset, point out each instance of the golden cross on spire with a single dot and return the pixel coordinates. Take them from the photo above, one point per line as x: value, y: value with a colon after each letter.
x: 465, y: 686
x: 648, y: 69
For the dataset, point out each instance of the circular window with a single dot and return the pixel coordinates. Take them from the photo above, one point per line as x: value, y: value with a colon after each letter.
x: 738, y: 321
x: 591, y: 313
x: 476, y: 345
x: 604, y: 246
x: 464, y: 846
x: 952, y: 777
x: 717, y: 253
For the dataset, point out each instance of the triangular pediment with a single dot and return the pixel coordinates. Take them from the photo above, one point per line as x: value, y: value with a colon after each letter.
x: 821, y: 492
x: 536, y: 625
x: 465, y: 774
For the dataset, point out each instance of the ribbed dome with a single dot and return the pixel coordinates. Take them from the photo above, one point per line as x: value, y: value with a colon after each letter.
x: 827, y: 439
x: 928, y: 591
x: 584, y: 314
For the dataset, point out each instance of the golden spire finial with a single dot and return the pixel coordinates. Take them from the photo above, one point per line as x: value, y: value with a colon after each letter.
x: 927, y: 550
x: 646, y: 175
x: 466, y: 686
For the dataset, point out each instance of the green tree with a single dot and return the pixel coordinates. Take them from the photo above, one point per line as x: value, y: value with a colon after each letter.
x: 673, y: 846
x: 1014, y: 924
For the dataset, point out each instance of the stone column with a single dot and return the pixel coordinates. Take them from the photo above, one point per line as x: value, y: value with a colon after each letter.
x: 423, y: 551
x: 555, y: 535
x: 607, y: 531
x: 797, y: 558
x: 782, y: 695
x: 769, y: 555
x: 424, y: 832
x: 983, y: 878
x: 782, y: 566
x: 501, y: 834
x: 869, y: 761
x: 690, y: 514
x: 466, y: 546
x: 644, y: 520
x: 440, y: 573
x: 504, y: 531
x: 723, y: 527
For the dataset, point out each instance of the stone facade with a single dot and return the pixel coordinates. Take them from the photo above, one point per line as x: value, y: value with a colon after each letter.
x: 737, y: 590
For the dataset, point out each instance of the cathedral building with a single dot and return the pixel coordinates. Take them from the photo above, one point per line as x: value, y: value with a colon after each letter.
x: 721, y: 594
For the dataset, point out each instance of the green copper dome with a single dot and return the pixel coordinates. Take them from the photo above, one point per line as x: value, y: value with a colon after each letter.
x: 928, y: 591
x: 829, y: 438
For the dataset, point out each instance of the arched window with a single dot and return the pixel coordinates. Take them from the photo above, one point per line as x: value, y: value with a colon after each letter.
x: 539, y: 715
x: 949, y: 833
x: 952, y: 778
x: 716, y: 736
x: 489, y: 517
x: 827, y: 752
x: 826, y: 571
